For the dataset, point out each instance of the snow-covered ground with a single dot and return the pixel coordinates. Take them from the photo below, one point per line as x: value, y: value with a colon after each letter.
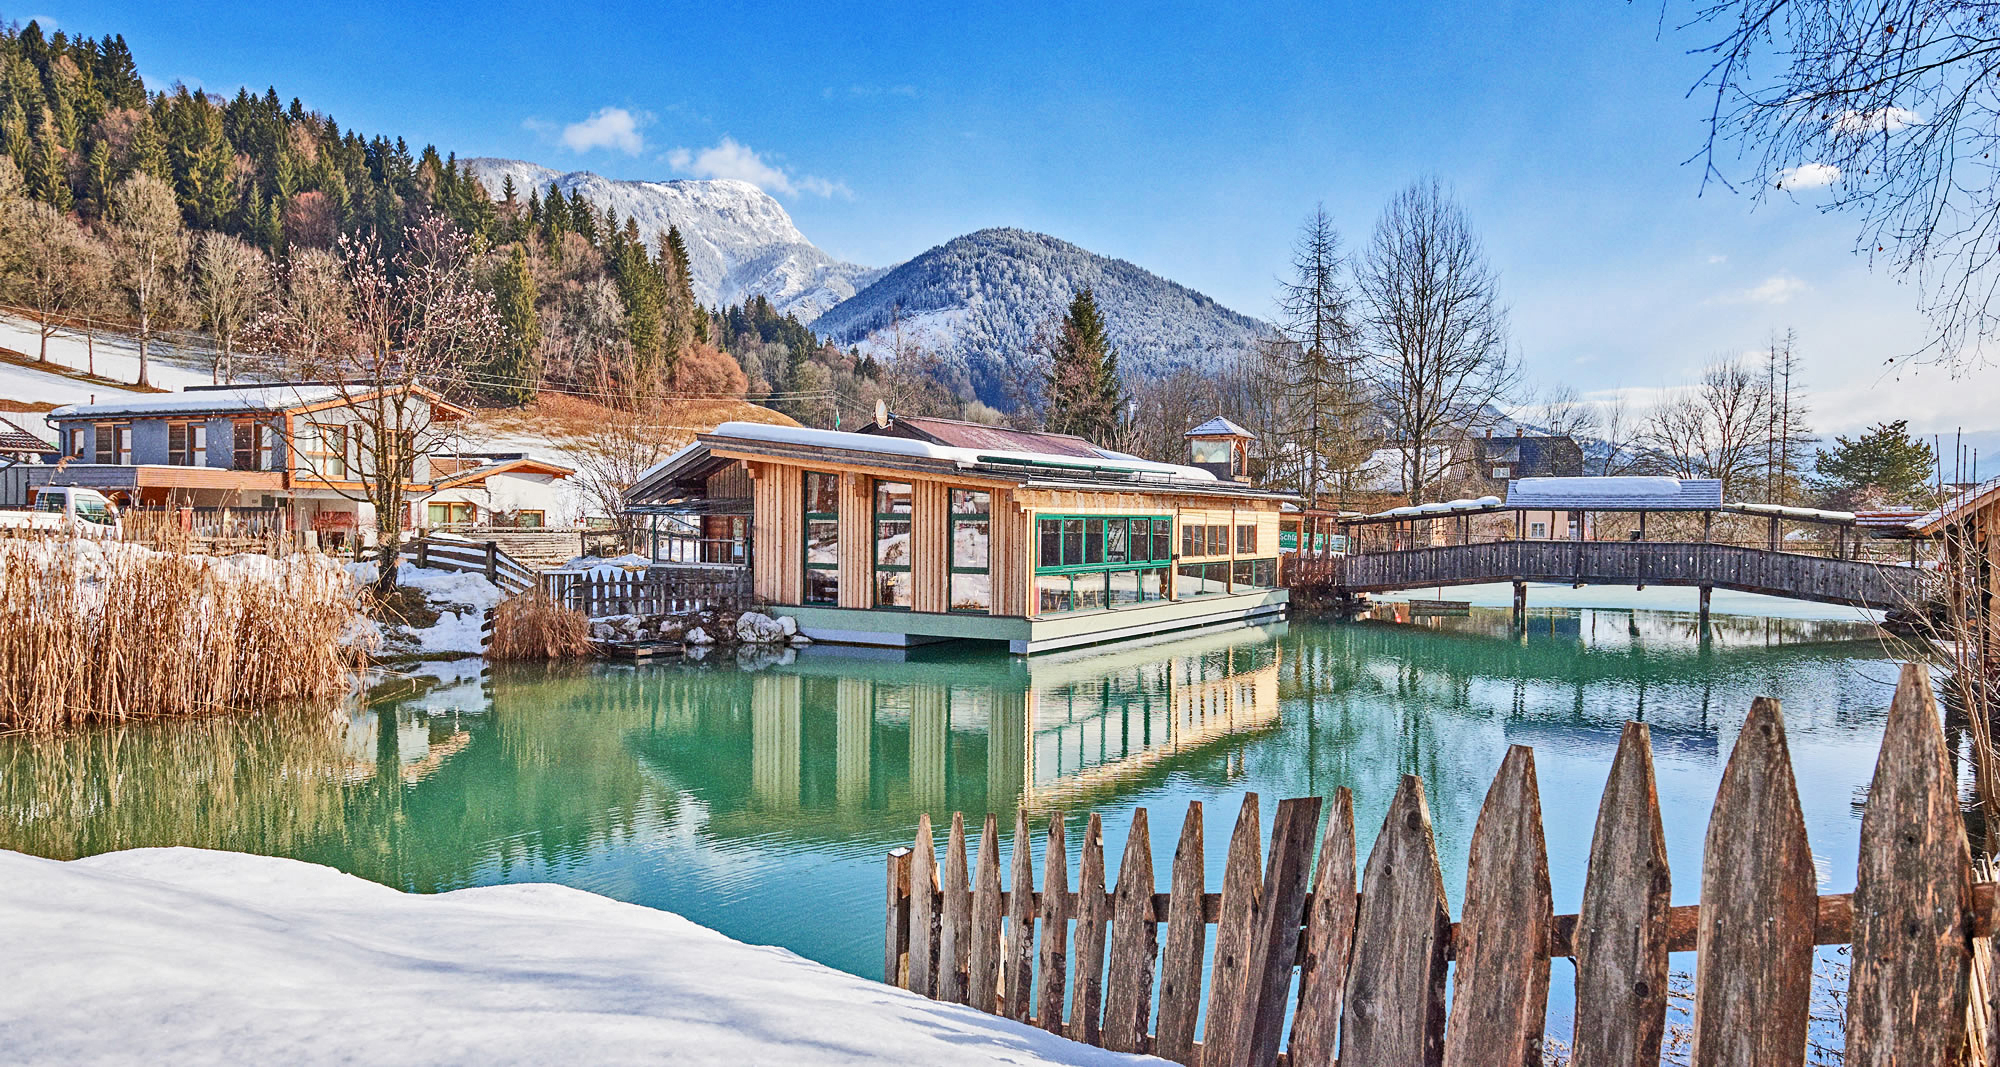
x: 117, y: 358
x: 190, y: 956
x: 461, y: 599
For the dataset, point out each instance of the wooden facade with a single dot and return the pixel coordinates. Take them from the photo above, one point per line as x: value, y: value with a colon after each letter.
x: 778, y: 502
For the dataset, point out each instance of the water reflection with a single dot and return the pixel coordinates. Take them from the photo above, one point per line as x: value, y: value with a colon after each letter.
x: 759, y: 795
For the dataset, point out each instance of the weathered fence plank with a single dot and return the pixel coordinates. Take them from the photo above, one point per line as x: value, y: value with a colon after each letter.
x: 1267, y: 983
x: 1054, y: 955
x: 923, y: 910
x: 1753, y: 975
x: 1500, y: 991
x: 982, y: 969
x: 955, y: 928
x: 896, y: 939
x: 1187, y: 937
x: 1394, y: 1009
x: 1329, y: 936
x: 1912, y: 896
x: 1128, y: 999
x: 1020, y: 946
x: 1621, y: 931
x: 1242, y: 887
x: 1093, y: 912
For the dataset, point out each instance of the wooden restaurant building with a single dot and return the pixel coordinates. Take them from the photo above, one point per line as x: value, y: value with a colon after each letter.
x: 918, y: 530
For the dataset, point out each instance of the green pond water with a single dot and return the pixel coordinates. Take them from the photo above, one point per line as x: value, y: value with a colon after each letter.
x: 759, y: 796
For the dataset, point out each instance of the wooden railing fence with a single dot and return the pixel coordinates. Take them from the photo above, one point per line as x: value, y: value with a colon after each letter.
x: 659, y: 590
x: 1360, y: 957
x: 1750, y: 570
x: 476, y: 557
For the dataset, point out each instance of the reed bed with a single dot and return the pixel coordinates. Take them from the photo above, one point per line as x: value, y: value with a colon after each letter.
x: 533, y: 627
x: 104, y: 631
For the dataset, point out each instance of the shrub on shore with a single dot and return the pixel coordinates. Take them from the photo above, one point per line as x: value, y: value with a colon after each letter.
x: 103, y: 631
x: 533, y: 627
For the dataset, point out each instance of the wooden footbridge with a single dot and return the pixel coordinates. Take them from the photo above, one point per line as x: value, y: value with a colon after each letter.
x: 1854, y: 583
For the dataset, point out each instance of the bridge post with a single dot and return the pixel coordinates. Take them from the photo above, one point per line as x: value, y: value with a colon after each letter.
x: 1706, y: 592
x: 1520, y: 603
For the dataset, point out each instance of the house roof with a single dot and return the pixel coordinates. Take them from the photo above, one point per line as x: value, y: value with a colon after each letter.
x: 1974, y: 499
x: 959, y: 434
x: 15, y: 439
x: 233, y: 400
x: 522, y: 465
x: 1532, y: 456
x: 1615, y: 494
x: 1219, y: 427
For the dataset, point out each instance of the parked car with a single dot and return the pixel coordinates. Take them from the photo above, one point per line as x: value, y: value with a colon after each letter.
x: 59, y: 507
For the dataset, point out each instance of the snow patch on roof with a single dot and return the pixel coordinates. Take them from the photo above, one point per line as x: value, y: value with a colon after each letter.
x: 807, y: 437
x: 260, y: 398
x: 1625, y: 486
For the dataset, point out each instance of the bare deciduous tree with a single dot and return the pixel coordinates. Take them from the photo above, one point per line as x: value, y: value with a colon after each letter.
x: 150, y: 250
x: 1713, y: 429
x: 1892, y: 108
x: 59, y: 270
x: 1561, y: 412
x: 230, y: 280
x: 1437, y: 334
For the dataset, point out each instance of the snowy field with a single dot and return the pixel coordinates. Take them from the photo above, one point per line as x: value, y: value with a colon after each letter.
x: 191, y: 956
x: 117, y: 358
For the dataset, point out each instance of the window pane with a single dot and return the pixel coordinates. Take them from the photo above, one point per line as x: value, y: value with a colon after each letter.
x: 822, y: 586
x: 892, y: 589
x: 1213, y: 452
x: 1072, y: 542
x: 892, y: 498
x: 1142, y: 541
x: 1114, y: 541
x: 1218, y: 540
x: 1093, y: 541
x: 1163, y: 538
x: 892, y: 543
x: 1241, y: 576
x: 823, y: 541
x: 1190, y: 540
x: 1215, y: 578
x: 1051, y: 534
x: 1052, y: 593
x: 1090, y: 591
x: 971, y: 592
x: 971, y: 502
x: 1246, y: 538
x: 1125, y: 587
x: 1264, y: 573
x: 823, y: 493
x: 971, y: 544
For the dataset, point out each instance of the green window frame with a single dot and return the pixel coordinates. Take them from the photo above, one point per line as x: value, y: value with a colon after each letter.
x: 1093, y: 562
x: 895, y: 513
x: 969, y: 569
x: 819, y: 549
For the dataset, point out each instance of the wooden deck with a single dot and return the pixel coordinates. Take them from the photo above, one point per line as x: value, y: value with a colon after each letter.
x: 1636, y: 563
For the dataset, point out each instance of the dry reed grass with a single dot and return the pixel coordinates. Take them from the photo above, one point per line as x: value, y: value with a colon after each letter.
x: 103, y: 631
x: 533, y: 627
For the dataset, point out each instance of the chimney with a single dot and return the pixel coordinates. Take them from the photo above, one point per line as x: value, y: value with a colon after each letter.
x: 1489, y: 433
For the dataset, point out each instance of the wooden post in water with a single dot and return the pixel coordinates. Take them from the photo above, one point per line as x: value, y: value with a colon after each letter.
x: 1520, y: 603
x: 1707, y: 592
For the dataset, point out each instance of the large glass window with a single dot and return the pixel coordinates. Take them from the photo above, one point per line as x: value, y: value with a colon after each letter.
x: 971, y: 586
x: 892, y: 545
x: 1246, y: 539
x: 1087, y: 563
x: 1218, y: 540
x: 187, y: 444
x: 822, y: 547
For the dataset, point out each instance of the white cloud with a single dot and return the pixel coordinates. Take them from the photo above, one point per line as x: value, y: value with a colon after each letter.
x: 1718, y: 258
x: 1880, y: 120
x: 730, y: 158
x: 608, y: 127
x: 1808, y: 176
x: 1777, y: 289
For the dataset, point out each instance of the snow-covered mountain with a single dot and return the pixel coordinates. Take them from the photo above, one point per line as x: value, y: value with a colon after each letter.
x: 740, y: 241
x: 980, y: 299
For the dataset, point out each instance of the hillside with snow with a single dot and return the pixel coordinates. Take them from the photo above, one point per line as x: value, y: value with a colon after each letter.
x: 979, y: 300
x: 741, y: 242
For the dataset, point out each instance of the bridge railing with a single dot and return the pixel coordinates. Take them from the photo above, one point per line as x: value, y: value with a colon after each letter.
x: 1752, y: 570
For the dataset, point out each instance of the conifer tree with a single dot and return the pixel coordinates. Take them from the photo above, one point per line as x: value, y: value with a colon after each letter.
x: 514, y: 372
x: 1083, y: 388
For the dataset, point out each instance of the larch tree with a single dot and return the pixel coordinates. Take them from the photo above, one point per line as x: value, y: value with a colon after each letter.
x: 1436, y: 333
x: 1083, y: 388
x: 150, y: 251
x: 231, y: 280
x: 1325, y: 408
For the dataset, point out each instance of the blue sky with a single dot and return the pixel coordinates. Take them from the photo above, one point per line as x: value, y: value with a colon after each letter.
x: 1190, y: 140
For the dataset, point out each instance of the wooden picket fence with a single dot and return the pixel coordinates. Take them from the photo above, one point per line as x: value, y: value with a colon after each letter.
x: 658, y: 590
x: 1365, y: 973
